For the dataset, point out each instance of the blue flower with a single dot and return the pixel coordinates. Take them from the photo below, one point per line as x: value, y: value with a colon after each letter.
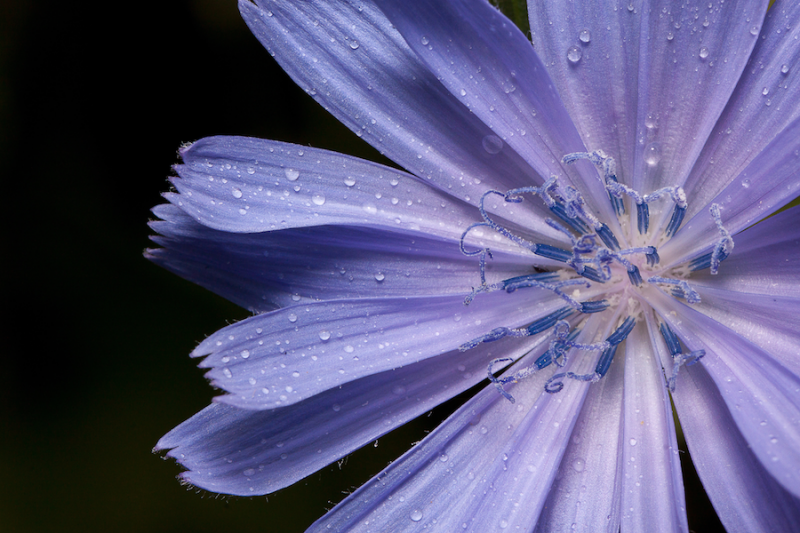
x: 510, y: 243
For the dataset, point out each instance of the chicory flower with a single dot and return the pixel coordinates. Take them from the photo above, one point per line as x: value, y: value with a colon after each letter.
x: 576, y: 224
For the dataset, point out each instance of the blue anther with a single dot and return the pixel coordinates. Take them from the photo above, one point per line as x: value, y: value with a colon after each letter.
x: 607, y: 237
x: 673, y: 344
x: 652, y: 256
x: 634, y: 276
x: 605, y: 360
x: 538, y: 276
x: 616, y: 201
x: 643, y: 217
x: 498, y: 383
x: 675, y: 222
x: 595, y: 306
x: 549, y: 321
x: 593, y: 274
x: 686, y: 291
x: 622, y: 332
x: 551, y: 252
x: 559, y: 209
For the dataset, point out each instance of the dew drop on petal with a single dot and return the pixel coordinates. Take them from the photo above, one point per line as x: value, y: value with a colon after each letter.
x: 237, y: 193
x: 245, y: 354
x: 354, y: 44
x: 416, y: 515
x: 349, y: 181
x: 324, y: 335
x: 380, y: 276
x: 424, y: 40
x: 574, y: 54
x: 703, y: 52
x: 336, y: 407
x: 652, y: 153
x: 292, y: 318
x: 249, y: 472
x: 318, y: 199
x: 670, y: 36
x: 633, y: 442
x: 291, y: 174
x: 765, y: 91
x: 579, y: 465
x: 492, y: 144
x: 784, y: 69
x: 754, y: 30
x: 585, y: 35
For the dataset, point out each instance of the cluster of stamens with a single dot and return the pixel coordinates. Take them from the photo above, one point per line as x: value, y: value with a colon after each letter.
x: 594, y: 250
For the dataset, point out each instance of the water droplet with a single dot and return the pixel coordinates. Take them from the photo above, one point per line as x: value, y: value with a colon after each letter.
x: 380, y: 276
x: 574, y: 54
x: 424, y: 40
x: 354, y: 44
x: 291, y: 174
x: 336, y: 407
x: 503, y: 524
x: 227, y: 373
x: 492, y: 144
x: 245, y: 354
x: 237, y: 193
x: 754, y: 30
x: 652, y: 153
x: 706, y: 23
x: 416, y: 515
x: 650, y: 121
x: 765, y: 91
x: 746, y: 183
x: 249, y: 472
x: 318, y: 199
x: 251, y: 170
x: 784, y: 69
x: 443, y: 458
x: 774, y: 440
x: 670, y: 36
x: 295, y: 374
x: 348, y: 349
x: 585, y: 35
x: 463, y: 92
x: 703, y: 52
x: 579, y: 465
x: 292, y: 318
x: 630, y: 7
x: 633, y: 442
x: 324, y: 335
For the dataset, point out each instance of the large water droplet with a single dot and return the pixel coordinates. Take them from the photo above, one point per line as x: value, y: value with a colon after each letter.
x: 237, y: 193
x: 291, y: 174
x: 703, y: 52
x: 754, y: 30
x: 324, y: 335
x: 784, y: 69
x: 633, y: 442
x: 492, y: 144
x: 652, y: 153
x: 249, y: 472
x: 765, y: 91
x: 670, y: 36
x: 354, y: 44
x: 318, y: 199
x: 574, y: 54
x: 416, y: 515
x: 349, y: 181
x: 424, y: 40
x: 245, y: 354
x: 585, y: 35
x: 292, y: 318
x: 380, y: 276
x: 579, y: 465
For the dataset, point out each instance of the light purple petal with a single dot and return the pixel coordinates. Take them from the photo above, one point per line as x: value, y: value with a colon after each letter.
x: 746, y: 496
x: 763, y: 396
x: 599, y: 89
x: 282, y: 357
x: 264, y: 271
x: 586, y: 492
x: 240, y: 184
x: 487, y: 467
x: 246, y: 452
x: 770, y: 181
x: 483, y: 59
x: 764, y: 103
x: 652, y: 485
x: 350, y: 59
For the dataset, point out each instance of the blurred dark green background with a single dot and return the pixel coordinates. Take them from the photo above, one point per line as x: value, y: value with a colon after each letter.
x: 95, y: 99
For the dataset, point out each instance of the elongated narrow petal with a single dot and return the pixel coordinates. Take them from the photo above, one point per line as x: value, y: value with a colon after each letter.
x: 247, y: 452
x: 481, y: 57
x: 263, y: 271
x: 350, y: 59
x: 652, y: 485
x: 745, y: 494
x: 591, y: 460
x: 240, y: 184
x: 760, y: 393
x: 764, y: 103
x: 288, y: 355
x: 487, y: 467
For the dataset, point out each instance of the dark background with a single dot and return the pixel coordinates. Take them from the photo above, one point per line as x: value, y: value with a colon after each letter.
x: 95, y: 99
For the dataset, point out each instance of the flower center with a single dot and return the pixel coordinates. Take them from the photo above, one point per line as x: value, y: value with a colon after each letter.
x: 594, y: 255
